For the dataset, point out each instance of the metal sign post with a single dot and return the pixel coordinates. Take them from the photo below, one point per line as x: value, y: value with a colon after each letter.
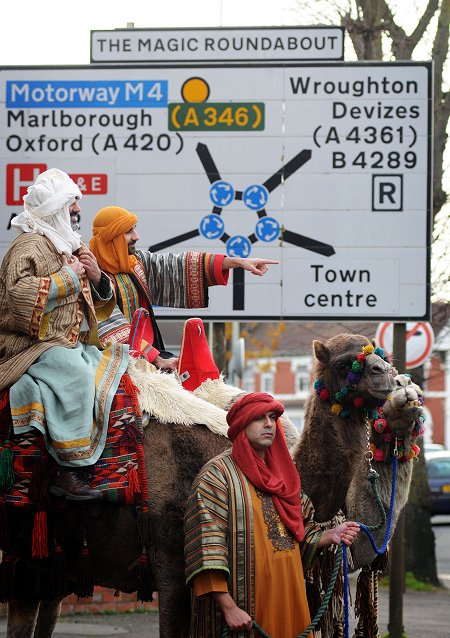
x: 397, y: 550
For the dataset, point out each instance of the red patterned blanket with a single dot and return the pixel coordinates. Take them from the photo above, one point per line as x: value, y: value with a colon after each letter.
x: 115, y: 473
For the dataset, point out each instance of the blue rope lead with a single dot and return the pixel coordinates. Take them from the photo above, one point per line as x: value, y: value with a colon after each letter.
x: 345, y: 569
x: 366, y: 529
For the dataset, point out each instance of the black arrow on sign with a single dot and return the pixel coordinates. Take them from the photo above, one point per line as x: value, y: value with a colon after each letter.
x: 287, y: 170
x: 208, y: 163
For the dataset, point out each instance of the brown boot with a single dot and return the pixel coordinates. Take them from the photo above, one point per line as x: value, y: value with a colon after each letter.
x: 72, y: 486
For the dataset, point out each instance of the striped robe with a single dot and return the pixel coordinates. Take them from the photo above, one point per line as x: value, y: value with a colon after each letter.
x: 42, y: 305
x: 219, y: 535
x: 167, y: 279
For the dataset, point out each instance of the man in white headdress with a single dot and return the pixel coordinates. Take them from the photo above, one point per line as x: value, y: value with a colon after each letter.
x: 61, y: 380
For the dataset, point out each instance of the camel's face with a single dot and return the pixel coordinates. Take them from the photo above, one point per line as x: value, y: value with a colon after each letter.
x: 404, y: 405
x: 377, y: 379
x: 334, y: 362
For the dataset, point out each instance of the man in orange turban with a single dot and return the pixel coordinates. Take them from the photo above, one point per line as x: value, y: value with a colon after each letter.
x: 142, y: 278
x: 250, y: 531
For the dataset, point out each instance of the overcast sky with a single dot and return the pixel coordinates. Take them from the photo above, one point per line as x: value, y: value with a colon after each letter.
x: 52, y: 32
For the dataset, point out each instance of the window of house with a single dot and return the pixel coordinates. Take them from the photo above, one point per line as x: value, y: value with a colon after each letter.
x: 248, y: 382
x: 302, y: 378
x: 267, y: 382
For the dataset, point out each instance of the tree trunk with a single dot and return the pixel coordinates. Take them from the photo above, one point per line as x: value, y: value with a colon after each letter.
x: 420, y: 554
x: 420, y: 551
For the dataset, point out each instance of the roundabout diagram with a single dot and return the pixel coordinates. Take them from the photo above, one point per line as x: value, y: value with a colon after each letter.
x: 254, y: 198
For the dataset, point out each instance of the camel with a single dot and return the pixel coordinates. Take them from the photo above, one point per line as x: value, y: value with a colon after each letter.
x: 174, y: 453
x: 330, y: 443
x: 176, y: 448
x: 335, y: 439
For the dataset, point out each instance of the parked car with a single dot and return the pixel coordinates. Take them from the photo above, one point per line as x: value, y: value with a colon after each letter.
x: 438, y: 467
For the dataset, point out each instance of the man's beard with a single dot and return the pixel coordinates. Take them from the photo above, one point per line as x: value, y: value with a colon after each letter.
x: 131, y: 249
x: 75, y: 223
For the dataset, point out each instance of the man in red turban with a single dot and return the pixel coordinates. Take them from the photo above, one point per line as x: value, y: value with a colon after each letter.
x: 250, y: 531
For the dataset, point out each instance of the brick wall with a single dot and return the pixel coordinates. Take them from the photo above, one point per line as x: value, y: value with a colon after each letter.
x: 105, y: 600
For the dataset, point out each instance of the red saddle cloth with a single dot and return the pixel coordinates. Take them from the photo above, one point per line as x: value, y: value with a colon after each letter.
x: 115, y: 473
x: 141, y: 336
x: 196, y: 363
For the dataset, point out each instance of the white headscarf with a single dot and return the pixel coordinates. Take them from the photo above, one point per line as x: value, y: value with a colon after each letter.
x: 46, y: 210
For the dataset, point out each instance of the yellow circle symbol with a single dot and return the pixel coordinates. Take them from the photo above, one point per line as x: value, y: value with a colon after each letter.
x: 195, y: 90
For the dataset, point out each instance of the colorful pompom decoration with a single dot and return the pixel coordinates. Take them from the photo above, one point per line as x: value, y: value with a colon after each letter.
x: 416, y: 449
x: 353, y: 377
x: 379, y: 425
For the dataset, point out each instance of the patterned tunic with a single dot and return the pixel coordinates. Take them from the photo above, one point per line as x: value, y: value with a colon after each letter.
x: 42, y: 305
x: 170, y: 280
x: 234, y: 530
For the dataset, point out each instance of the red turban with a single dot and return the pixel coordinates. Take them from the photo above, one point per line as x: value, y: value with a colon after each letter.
x: 249, y: 407
x: 276, y: 474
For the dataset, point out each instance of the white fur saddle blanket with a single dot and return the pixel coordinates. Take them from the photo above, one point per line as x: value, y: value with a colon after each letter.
x: 163, y: 397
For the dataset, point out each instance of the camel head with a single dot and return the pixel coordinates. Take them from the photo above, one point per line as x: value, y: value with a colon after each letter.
x: 354, y: 368
x: 403, y: 408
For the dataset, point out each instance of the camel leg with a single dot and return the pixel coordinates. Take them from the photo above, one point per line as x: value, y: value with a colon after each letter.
x: 22, y: 617
x: 174, y: 625
x: 174, y: 600
x: 47, y: 618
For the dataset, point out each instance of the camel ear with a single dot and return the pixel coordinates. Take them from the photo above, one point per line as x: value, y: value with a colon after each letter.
x: 321, y: 352
x: 375, y: 343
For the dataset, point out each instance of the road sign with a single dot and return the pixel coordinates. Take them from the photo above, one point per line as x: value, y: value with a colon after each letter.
x: 324, y: 167
x: 419, y: 341
x: 259, y: 44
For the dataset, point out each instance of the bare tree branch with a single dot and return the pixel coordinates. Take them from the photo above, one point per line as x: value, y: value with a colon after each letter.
x: 413, y: 40
x: 440, y: 45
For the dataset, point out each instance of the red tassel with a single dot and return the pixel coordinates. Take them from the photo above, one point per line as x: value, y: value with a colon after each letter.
x: 133, y: 486
x: 129, y: 436
x: 39, y: 545
x: 132, y: 392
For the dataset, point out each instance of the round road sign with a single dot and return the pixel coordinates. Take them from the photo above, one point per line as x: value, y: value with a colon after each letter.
x: 419, y: 341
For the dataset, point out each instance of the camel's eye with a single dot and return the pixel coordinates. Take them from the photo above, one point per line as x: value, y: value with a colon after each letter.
x: 344, y: 366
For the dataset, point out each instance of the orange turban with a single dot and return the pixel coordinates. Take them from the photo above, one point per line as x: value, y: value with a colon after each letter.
x: 108, y: 242
x: 276, y: 474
